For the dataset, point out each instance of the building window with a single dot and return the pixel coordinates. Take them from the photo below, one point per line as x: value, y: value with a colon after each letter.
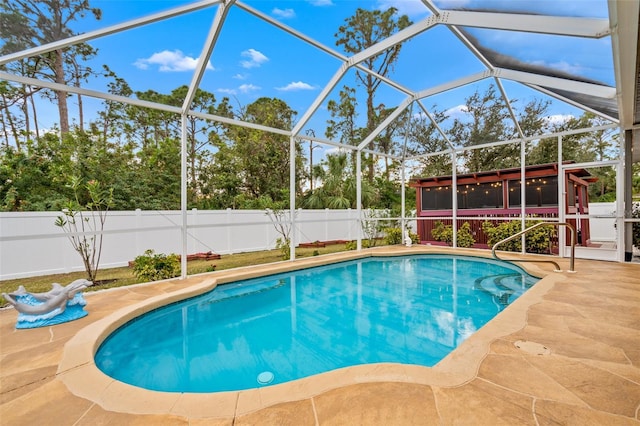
x: 540, y: 192
x: 480, y: 196
x: 436, y: 198
x: 471, y: 196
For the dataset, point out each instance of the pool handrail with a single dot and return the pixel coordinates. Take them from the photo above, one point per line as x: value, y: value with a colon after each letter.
x: 537, y: 225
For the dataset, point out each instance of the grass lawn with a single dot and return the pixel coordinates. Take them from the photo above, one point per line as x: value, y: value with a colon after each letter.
x: 118, y: 277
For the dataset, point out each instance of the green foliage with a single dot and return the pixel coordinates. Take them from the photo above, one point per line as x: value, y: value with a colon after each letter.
x: 372, y: 226
x: 425, y: 137
x: 361, y: 31
x: 537, y: 240
x: 353, y: 245
x: 444, y: 233
x: 154, y: 267
x: 84, y: 226
x: 393, y: 236
x: 32, y: 23
x: 486, y: 119
x: 284, y: 245
x: 257, y: 162
x: 28, y: 180
x: 338, y: 189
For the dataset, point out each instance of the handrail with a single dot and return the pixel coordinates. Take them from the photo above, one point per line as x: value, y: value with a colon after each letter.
x: 537, y: 225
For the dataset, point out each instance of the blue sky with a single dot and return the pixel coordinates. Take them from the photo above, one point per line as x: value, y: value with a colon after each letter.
x: 253, y: 59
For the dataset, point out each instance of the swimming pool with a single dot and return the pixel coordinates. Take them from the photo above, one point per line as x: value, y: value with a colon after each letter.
x: 406, y: 309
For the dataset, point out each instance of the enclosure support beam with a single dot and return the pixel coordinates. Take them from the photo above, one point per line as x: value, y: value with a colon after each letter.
x: 627, y: 238
x: 454, y: 197
x: 562, y: 200
x: 292, y: 197
x: 203, y: 59
x: 523, y: 195
x: 406, y: 235
x: 183, y: 195
x: 359, y: 196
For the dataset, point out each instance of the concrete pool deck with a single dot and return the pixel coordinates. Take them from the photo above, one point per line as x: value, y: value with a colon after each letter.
x: 567, y: 352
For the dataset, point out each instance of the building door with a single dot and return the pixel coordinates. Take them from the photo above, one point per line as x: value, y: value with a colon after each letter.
x: 593, y: 205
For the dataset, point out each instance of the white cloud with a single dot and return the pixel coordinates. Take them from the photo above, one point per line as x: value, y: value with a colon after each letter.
x: 240, y: 76
x: 169, y: 61
x: 243, y: 88
x: 457, y: 111
x: 283, y: 13
x: 247, y: 88
x: 321, y: 2
x: 227, y: 91
x: 295, y: 86
x: 559, y: 118
x: 255, y: 59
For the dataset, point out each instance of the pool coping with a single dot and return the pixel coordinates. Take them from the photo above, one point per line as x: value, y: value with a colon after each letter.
x: 79, y: 373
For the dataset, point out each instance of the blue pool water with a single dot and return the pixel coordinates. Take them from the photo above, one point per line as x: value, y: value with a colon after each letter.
x: 278, y: 328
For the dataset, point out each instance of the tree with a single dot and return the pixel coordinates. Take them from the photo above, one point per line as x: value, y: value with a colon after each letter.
x: 25, y: 180
x: 281, y: 220
x: 338, y: 188
x: 111, y: 120
x: 45, y: 21
x: 574, y: 146
x: 155, y: 180
x: 222, y: 178
x: 84, y: 228
x: 15, y: 31
x: 342, y: 124
x: 485, y: 122
x: 424, y: 138
x: 361, y: 31
x: 260, y: 158
x: 200, y: 133
x: 385, y: 140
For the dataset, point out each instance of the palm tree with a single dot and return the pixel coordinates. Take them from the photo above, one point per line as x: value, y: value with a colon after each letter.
x: 338, y: 185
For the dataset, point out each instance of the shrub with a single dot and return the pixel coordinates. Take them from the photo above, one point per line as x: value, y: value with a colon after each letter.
x: 393, y: 236
x: 537, y: 241
x: 372, y: 227
x: 154, y: 267
x: 284, y: 245
x: 352, y: 245
x: 444, y: 233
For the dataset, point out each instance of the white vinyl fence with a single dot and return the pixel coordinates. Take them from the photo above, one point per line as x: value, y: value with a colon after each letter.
x: 31, y: 245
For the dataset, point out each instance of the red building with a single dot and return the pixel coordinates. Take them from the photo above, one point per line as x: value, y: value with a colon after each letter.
x: 497, y: 193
